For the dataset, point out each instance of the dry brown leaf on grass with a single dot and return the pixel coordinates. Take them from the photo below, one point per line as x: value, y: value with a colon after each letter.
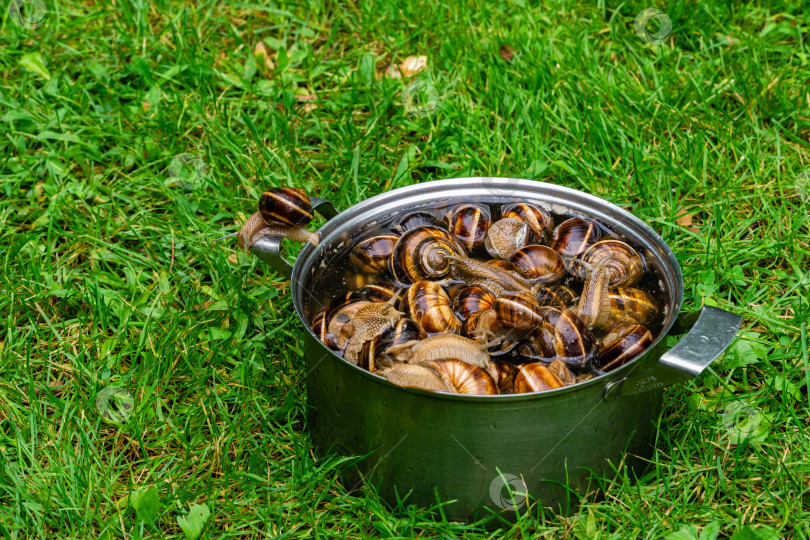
x: 261, y: 57
x: 686, y: 220
x: 407, y: 68
x: 506, y: 52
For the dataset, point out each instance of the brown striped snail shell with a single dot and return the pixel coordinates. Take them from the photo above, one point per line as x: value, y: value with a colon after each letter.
x: 557, y: 295
x: 372, y: 255
x: 631, y: 305
x: 535, y: 377
x: 573, y: 341
x: 622, y: 343
x: 426, y: 303
x: 625, y: 263
x: 506, y: 236
x: 517, y: 310
x: 540, y: 346
x: 380, y: 291
x: 464, y: 378
x: 480, y: 325
x: 373, y: 354
x: 414, y: 376
x: 422, y: 253
x: 288, y: 206
x: 573, y: 236
x: 319, y: 328
x: 540, y: 264
x: 470, y: 300
x: 469, y: 223
x: 538, y: 220
x: 416, y: 219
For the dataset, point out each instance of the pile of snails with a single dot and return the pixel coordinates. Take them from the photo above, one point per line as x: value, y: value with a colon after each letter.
x: 461, y: 302
x: 458, y: 301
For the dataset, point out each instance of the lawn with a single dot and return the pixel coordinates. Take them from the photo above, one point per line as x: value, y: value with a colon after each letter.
x: 133, y: 133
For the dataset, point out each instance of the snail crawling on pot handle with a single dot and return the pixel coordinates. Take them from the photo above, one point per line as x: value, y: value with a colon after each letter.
x: 284, y: 213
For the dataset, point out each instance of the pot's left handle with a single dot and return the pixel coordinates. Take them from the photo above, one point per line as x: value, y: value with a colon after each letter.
x: 268, y: 249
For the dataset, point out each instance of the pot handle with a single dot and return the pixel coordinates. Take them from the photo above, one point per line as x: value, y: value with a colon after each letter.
x: 709, y: 332
x: 268, y: 249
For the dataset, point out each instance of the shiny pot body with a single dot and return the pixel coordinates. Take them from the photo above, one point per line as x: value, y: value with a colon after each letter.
x: 486, y: 453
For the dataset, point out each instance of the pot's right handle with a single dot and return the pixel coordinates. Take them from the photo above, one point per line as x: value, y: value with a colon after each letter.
x: 709, y: 333
x: 268, y: 249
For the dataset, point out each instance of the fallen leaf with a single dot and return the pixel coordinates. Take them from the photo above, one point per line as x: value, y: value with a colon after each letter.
x: 413, y: 65
x: 506, y: 52
x: 686, y: 219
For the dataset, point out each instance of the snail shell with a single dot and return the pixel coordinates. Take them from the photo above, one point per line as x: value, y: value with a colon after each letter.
x: 538, y: 220
x: 622, y: 343
x: 319, y: 328
x: 540, y: 263
x: 572, y: 341
x: 469, y: 223
x: 517, y: 310
x: 508, y: 266
x: 372, y: 255
x: 373, y: 353
x: 422, y: 253
x: 631, y: 305
x: 573, y: 236
x: 558, y: 295
x: 540, y: 346
x: 288, y: 206
x: 419, y: 218
x: 625, y: 267
x: 426, y: 303
x: 481, y: 325
x: 471, y: 300
x: 380, y: 291
x: 506, y: 236
x: 505, y: 377
x: 535, y: 377
x: 464, y: 378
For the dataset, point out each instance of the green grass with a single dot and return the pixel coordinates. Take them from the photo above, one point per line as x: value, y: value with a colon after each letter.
x: 109, y: 276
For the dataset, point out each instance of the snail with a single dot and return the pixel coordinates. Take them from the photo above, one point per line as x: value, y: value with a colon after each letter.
x: 426, y: 303
x: 441, y: 347
x: 371, y: 255
x: 540, y: 263
x: 337, y: 318
x: 373, y: 353
x: 419, y: 218
x: 563, y: 335
x: 506, y: 236
x: 559, y: 295
x: 423, y: 253
x: 625, y: 267
x: 464, y: 378
x: 621, y: 343
x: 367, y: 323
x: 573, y: 236
x: 538, y: 220
x: 469, y: 223
x: 594, y: 302
x: 415, y: 376
x: 319, y: 328
x: 631, y: 305
x: 535, y: 377
x: 380, y: 291
x: 505, y: 377
x: 507, y: 266
x: 282, y: 212
x: 485, y: 275
x: 517, y: 310
x: 471, y: 299
x: 558, y: 368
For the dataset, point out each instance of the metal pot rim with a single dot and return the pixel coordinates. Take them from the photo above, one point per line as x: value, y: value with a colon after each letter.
x: 493, y: 188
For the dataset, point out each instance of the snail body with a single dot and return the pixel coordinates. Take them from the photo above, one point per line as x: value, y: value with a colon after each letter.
x: 506, y: 236
x: 282, y: 212
x: 594, y: 302
x: 373, y: 354
x: 486, y: 275
x: 367, y: 323
x: 441, y: 347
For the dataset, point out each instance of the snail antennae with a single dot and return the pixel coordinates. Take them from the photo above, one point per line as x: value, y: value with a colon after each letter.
x: 227, y: 236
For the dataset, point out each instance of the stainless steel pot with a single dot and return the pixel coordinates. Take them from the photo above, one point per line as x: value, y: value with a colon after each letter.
x: 486, y: 453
